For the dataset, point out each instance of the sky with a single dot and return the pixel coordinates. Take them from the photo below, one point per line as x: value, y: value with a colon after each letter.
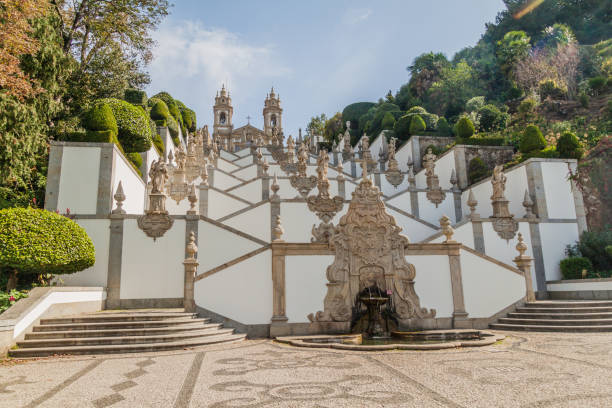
x: 319, y: 55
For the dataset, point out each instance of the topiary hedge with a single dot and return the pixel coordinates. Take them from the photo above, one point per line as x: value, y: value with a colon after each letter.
x: 531, y: 140
x: 568, y: 146
x: 481, y: 141
x: 172, y: 106
x: 443, y: 128
x: 416, y: 109
x: 34, y: 241
x: 134, y: 131
x: 477, y: 170
x: 100, y: 118
x: 464, y: 127
x: 402, y: 127
x: 491, y: 118
x: 160, y: 113
x: 417, y: 125
x: 173, y: 127
x: 576, y: 267
x: 550, y: 89
x: 135, y: 97
x: 388, y: 121
x: 159, y: 144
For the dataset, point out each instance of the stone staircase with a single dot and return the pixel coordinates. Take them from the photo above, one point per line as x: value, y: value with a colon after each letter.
x: 122, y: 332
x: 559, y: 316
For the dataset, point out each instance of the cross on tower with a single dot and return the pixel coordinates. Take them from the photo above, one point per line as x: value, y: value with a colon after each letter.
x: 248, y: 120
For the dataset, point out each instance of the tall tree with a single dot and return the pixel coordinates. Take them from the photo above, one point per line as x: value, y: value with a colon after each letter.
x: 449, y: 95
x: 425, y: 70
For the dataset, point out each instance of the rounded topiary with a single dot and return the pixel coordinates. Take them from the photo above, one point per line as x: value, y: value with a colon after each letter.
x: 550, y: 89
x: 34, y: 241
x: 402, y: 127
x: 173, y: 127
x: 416, y: 109
x: 160, y: 113
x: 443, y: 127
x: 568, y: 146
x: 491, y: 118
x: 576, y: 267
x: 477, y: 170
x: 135, y: 158
x: 135, y: 96
x: 100, y: 117
x: 134, y: 131
x: 159, y: 144
x: 388, y: 121
x: 430, y: 119
x: 172, y: 106
x: 464, y: 127
x: 597, y: 84
x: 417, y: 125
x: 531, y: 140
x: 527, y: 105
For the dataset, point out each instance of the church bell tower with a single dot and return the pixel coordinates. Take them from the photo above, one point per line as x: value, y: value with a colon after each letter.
x: 272, y: 114
x: 223, y: 111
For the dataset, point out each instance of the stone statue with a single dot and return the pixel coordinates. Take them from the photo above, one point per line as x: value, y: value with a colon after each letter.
x: 429, y: 163
x: 498, y: 180
x: 503, y: 222
x: 159, y: 176
x: 392, y: 148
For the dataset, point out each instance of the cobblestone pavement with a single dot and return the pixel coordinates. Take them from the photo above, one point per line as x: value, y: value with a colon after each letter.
x: 525, y: 370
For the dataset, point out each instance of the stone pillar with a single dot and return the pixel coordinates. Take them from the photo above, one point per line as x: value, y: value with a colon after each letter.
x: 106, y: 178
x: 479, y: 244
x: 538, y: 255
x: 191, y: 267
x: 278, y: 287
x: 535, y: 183
x: 414, y: 201
x: 523, y: 262
x: 353, y: 167
x: 458, y: 209
x: 341, y: 187
x: 265, y: 187
x: 113, y: 277
x: 377, y: 181
x: 211, y: 176
x: 54, y: 172
x: 461, y: 167
x: 460, y: 320
x: 416, y: 153
x: 203, y: 200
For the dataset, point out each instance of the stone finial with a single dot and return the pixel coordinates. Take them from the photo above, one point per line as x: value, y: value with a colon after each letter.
x: 447, y: 230
x: 265, y: 166
x: 278, y: 230
x: 411, y: 178
x: 259, y: 155
x: 528, y: 204
x: 275, y: 187
x: 119, y: 198
x: 193, y: 199
x: 340, y: 169
x: 192, y: 248
x: 520, y: 246
x: 204, y: 174
x: 523, y: 262
x: 410, y: 162
x: 472, y: 203
x: 453, y: 180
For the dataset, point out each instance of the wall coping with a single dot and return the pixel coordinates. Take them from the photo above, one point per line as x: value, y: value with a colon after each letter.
x: 557, y: 282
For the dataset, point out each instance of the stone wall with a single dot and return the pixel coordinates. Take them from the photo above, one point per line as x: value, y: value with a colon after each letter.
x: 490, y: 155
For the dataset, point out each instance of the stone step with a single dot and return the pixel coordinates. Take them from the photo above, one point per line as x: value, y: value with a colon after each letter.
x: 137, y: 324
x: 569, y: 303
x: 557, y: 322
x: 118, y: 317
x: 566, y: 316
x: 597, y: 309
x: 85, y: 341
x: 551, y: 328
x: 125, y: 348
x: 120, y: 332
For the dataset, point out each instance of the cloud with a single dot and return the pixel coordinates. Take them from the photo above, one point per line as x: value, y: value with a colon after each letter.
x: 354, y: 16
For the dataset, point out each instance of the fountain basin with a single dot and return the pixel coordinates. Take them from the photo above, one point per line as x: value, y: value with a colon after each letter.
x: 418, y: 340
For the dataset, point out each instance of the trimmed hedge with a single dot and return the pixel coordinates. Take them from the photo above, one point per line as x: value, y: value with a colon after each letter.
x: 571, y: 268
x: 173, y: 127
x: 416, y: 109
x: 159, y: 144
x: 172, y: 106
x: 464, y: 128
x: 100, y: 117
x: 160, y: 113
x: 135, y: 97
x: 491, y: 118
x: 402, y: 127
x: 134, y: 131
x: 417, y: 124
x: 176, y: 141
x: 481, y: 141
x: 135, y: 158
x: 444, y: 128
x: 550, y: 89
x: 568, y: 146
x: 477, y: 170
x: 388, y: 121
x: 532, y: 139
x: 37, y: 241
x: 593, y: 245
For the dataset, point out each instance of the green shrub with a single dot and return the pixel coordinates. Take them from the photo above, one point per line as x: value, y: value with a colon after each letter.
x: 532, y: 139
x: 481, y: 141
x: 135, y: 158
x: 134, y: 131
x: 173, y: 127
x: 402, y: 127
x: 100, y: 117
x: 474, y: 104
x: 36, y: 241
x: 354, y: 111
x: 575, y: 267
x: 176, y: 141
x: 609, y: 250
x: 464, y: 128
x: 568, y: 146
x: 189, y: 118
x: 172, y: 106
x: 527, y: 105
x: 477, y: 170
x: 160, y: 113
x: 417, y: 125
x: 444, y: 128
x: 416, y: 109
x: 388, y: 121
x: 159, y: 144
x: 593, y: 245
x: 598, y: 84
x: 8, y: 299
x: 135, y: 97
x: 583, y: 98
x: 549, y: 89
x: 491, y: 118
x: 430, y: 119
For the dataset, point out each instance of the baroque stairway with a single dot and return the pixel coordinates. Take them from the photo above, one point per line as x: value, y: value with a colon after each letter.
x: 126, y: 331
x: 559, y: 316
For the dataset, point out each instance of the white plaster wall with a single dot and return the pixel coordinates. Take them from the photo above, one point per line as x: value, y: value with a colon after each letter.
x: 554, y: 238
x: 99, y: 232
x: 432, y: 214
x: 152, y: 269
x: 242, y: 292
x: 220, y: 205
x: 463, y: 234
x: 505, y: 251
x: 389, y: 189
x: 244, y: 160
x: 250, y: 172
x: 558, y: 190
x: 482, y: 194
x: 349, y: 187
x: 432, y: 283
x: 151, y: 156
x: 227, y: 155
x: 305, y: 285
x: 250, y: 191
x: 487, y: 287
x: 578, y: 285
x: 182, y: 207
x: 402, y: 202
x: 133, y: 186
x: 403, y: 154
x: 78, y: 186
x: 225, y: 165
x: 217, y: 246
x: 286, y: 190
x: 416, y: 231
x: 243, y: 152
x: 376, y: 145
x: 444, y: 167
x: 297, y: 221
x: 223, y: 181
x: 256, y: 222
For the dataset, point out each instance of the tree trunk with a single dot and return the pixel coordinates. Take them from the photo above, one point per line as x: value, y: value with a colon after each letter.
x: 12, y: 281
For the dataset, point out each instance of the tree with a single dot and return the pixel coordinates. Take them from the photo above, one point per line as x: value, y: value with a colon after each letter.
x: 405, y: 99
x: 389, y: 97
x: 333, y: 127
x: 464, y: 128
x: 316, y: 126
x: 532, y: 140
x: 426, y: 69
x: 388, y: 121
x: 511, y: 49
x: 449, y: 95
x: 354, y: 111
x: 402, y: 127
x: 16, y: 40
x: 417, y: 125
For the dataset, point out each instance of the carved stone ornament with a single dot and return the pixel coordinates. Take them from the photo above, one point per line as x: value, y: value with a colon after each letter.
x: 393, y: 174
x: 300, y: 181
x: 156, y: 221
x: 434, y: 191
x: 369, y: 249
x: 503, y: 222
